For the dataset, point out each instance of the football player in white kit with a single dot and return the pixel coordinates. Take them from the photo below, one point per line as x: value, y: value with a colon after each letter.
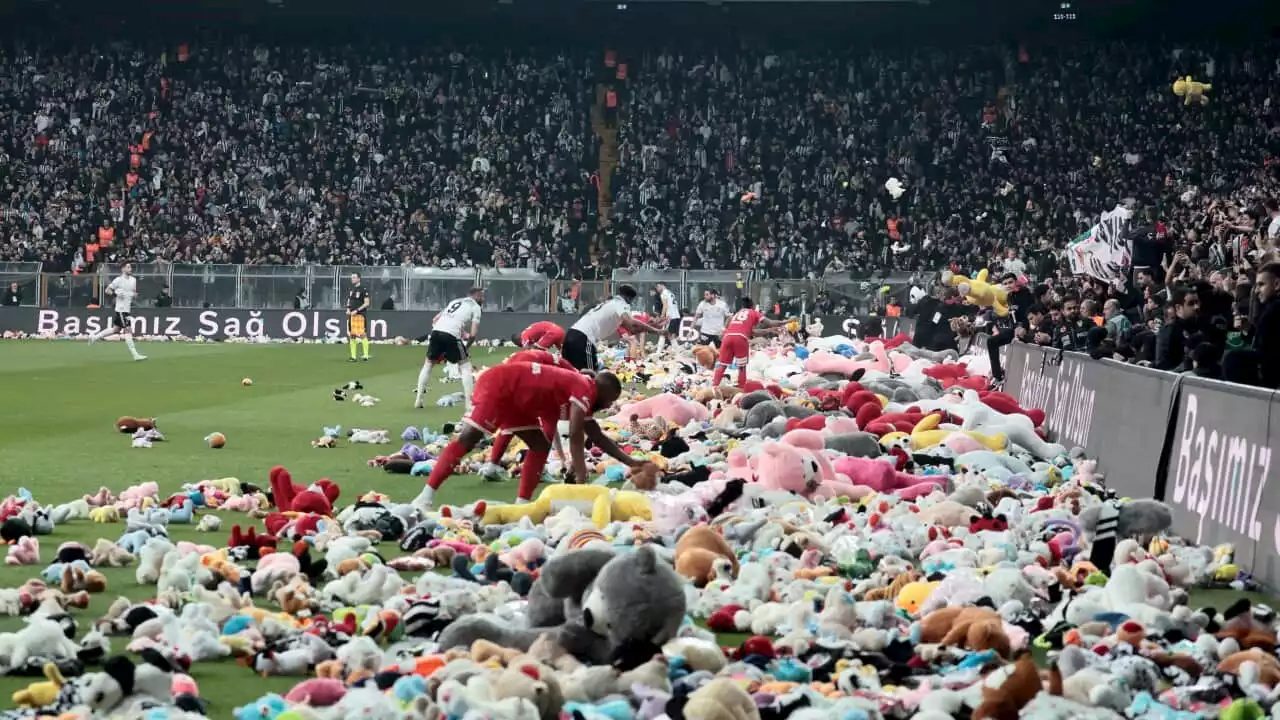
x: 710, y: 317
x: 453, y: 327
x: 670, y: 315
x: 123, y: 289
x: 599, y: 323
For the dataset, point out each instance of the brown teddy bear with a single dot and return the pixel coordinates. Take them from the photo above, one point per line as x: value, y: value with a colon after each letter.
x: 1004, y: 700
x: 1267, y: 664
x: 972, y: 628
x: 705, y: 355
x: 131, y: 425
x: 699, y: 550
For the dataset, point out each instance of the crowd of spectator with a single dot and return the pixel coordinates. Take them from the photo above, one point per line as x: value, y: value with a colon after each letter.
x: 773, y: 162
x: 246, y: 153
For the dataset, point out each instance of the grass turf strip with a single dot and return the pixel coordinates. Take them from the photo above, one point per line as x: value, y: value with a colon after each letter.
x: 57, y: 439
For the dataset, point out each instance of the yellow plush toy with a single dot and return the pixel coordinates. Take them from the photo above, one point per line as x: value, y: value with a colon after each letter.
x: 601, y: 503
x: 926, y: 434
x: 913, y: 595
x: 44, y: 693
x: 105, y: 514
x: 977, y: 291
x: 1192, y: 91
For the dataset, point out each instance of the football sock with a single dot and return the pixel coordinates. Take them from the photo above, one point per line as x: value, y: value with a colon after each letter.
x: 133, y: 349
x: 531, y: 473
x: 453, y: 452
x: 718, y: 376
x: 351, y: 342
x: 424, y: 376
x: 426, y: 497
x: 468, y: 381
x: 364, y: 346
x: 742, y: 375
x: 499, y: 448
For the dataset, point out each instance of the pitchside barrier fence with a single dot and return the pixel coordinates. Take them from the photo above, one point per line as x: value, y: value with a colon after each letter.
x: 324, y: 287
x: 225, y: 323
x: 1201, y: 446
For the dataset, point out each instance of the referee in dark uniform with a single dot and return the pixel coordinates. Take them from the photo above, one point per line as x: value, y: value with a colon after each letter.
x: 358, y: 301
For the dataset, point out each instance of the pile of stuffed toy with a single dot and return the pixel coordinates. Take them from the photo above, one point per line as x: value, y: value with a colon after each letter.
x: 863, y: 531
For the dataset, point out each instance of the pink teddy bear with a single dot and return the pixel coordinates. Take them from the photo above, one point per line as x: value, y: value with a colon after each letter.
x: 802, y: 471
x: 880, y: 476
x: 673, y: 408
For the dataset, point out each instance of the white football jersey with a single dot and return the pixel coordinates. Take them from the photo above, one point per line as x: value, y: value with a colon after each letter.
x: 603, y: 320
x: 673, y: 307
x: 124, y: 290
x: 457, y: 317
x: 714, y: 316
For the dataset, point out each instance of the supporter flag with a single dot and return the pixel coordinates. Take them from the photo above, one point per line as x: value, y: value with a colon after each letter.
x: 1104, y: 252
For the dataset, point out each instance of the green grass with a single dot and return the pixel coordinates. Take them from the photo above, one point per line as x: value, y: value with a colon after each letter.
x: 57, y: 439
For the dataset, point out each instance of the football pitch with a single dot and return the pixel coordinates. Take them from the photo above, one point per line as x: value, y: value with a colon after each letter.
x: 58, y: 440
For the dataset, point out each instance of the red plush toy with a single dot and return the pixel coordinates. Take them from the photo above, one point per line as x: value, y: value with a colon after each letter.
x: 722, y: 620
x: 317, y: 498
x: 997, y: 523
x: 258, y: 544
x: 1005, y: 404
x: 755, y: 645
x: 813, y: 422
x: 291, y: 528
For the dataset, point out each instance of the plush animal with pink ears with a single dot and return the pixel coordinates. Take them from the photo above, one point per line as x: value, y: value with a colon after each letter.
x: 25, y: 552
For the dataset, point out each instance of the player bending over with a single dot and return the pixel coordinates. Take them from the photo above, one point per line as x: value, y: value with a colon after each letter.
x: 735, y: 345
x: 542, y: 335
x: 446, y: 342
x: 600, y: 322
x: 502, y: 439
x: 525, y: 399
x: 124, y: 289
x: 358, y: 301
x: 635, y: 341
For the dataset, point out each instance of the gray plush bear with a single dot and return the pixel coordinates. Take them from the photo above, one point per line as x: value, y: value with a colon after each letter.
x: 595, y: 604
x: 753, y: 398
x: 857, y: 444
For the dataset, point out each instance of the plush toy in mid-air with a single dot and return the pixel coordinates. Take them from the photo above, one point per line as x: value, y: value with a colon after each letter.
x: 1191, y: 90
x: 977, y: 291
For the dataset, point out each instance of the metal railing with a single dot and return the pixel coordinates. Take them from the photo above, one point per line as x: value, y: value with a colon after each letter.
x: 324, y: 287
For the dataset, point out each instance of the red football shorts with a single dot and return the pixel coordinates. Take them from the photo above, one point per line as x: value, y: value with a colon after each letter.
x: 734, y: 348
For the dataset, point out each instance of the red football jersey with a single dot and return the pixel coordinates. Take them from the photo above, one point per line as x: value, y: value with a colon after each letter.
x: 544, y: 333
x: 540, y: 356
x: 536, y: 388
x: 641, y: 317
x: 744, y: 322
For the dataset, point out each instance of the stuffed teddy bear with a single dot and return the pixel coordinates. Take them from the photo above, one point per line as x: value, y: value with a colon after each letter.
x: 40, y: 694
x: 973, y: 628
x: 1007, y: 690
x: 602, y: 504
x: 130, y: 425
x: 977, y: 291
x: 702, y: 553
x: 317, y: 498
x: 882, y: 477
x: 1191, y: 90
x: 597, y: 605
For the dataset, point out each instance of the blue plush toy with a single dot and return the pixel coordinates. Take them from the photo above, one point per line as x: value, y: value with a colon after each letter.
x: 266, y: 707
x: 182, y: 514
x: 802, y: 352
x: 422, y: 467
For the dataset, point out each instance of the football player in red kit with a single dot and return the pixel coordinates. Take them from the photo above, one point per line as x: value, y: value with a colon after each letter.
x: 524, y: 399
x: 502, y: 439
x: 635, y: 342
x: 542, y: 335
x: 735, y: 344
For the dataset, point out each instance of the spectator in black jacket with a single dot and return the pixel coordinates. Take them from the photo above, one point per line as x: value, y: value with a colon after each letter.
x: 12, y: 296
x: 1266, y: 325
x: 1074, y: 329
x: 1171, y: 341
x: 1004, y: 332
